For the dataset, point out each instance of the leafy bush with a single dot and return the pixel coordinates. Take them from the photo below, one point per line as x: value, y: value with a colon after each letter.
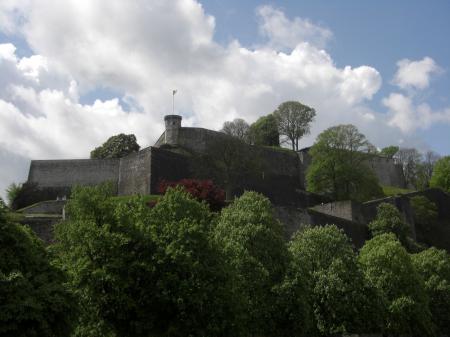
x: 202, y: 190
x: 117, y: 146
x: 434, y: 267
x: 139, y: 271
x: 341, y: 302
x: 389, y: 220
x: 33, y: 298
x: 388, y: 268
x: 251, y: 239
x: 441, y: 174
x: 28, y: 193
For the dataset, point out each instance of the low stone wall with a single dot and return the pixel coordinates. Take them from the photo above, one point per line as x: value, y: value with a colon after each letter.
x: 46, y: 207
x: 357, y: 232
x: 294, y: 219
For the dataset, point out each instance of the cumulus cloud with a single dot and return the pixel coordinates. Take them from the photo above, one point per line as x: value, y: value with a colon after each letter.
x: 285, y: 33
x: 142, y: 50
x: 406, y: 111
x: 415, y: 74
x: 409, y: 116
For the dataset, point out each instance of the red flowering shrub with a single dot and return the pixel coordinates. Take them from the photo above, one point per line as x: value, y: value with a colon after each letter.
x: 199, y: 189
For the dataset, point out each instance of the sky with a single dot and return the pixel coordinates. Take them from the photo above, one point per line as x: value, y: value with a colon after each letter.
x: 75, y: 72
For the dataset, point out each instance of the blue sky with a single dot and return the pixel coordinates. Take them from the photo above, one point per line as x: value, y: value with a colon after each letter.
x: 73, y: 73
x: 377, y: 33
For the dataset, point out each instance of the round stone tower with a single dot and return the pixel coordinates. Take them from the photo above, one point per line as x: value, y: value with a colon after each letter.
x: 173, y: 125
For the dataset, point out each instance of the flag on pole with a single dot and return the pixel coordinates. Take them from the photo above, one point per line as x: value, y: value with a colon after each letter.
x: 174, y: 92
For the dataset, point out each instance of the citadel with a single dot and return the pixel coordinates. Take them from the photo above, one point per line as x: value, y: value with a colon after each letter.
x: 184, y: 152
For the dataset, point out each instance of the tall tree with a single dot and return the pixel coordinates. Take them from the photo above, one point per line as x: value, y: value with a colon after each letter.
x: 410, y: 160
x: 389, y: 151
x: 425, y: 169
x: 265, y: 131
x: 388, y: 268
x: 238, y: 128
x: 441, y: 174
x: 145, y: 272
x: 434, y: 266
x: 389, y: 220
x: 339, y: 165
x: 252, y: 240
x: 294, y: 119
x: 117, y: 146
x: 341, y: 302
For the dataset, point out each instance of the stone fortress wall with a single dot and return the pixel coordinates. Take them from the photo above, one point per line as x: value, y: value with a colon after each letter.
x: 281, y: 172
x: 61, y: 175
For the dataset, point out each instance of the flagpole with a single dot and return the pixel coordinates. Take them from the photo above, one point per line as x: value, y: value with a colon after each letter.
x: 173, y: 101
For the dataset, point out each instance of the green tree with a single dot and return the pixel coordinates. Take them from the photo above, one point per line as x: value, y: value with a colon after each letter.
x: 341, y: 302
x: 33, y: 298
x: 238, y: 128
x: 117, y: 146
x: 410, y: 159
x: 425, y: 170
x: 389, y: 220
x: 12, y: 192
x: 265, y: 131
x: 388, y: 268
x: 434, y: 267
x: 425, y: 212
x: 339, y: 165
x: 145, y: 271
x: 441, y: 174
x: 389, y: 151
x: 252, y: 241
x: 293, y: 120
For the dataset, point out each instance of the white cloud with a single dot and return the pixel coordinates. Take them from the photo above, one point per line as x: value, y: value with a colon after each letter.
x: 285, y: 33
x: 143, y: 49
x: 415, y: 74
x: 408, y: 116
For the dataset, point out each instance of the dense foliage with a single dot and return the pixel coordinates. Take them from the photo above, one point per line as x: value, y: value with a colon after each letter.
x: 265, y: 131
x: 117, y: 146
x: 238, y: 128
x: 145, y: 271
x: 441, y: 174
x: 389, y: 220
x: 33, y: 298
x: 121, y: 268
x: 340, y: 300
x: 388, y: 268
x: 252, y: 241
x: 202, y: 190
x: 434, y: 267
x: 389, y: 151
x: 26, y: 194
x: 339, y: 165
x: 294, y: 120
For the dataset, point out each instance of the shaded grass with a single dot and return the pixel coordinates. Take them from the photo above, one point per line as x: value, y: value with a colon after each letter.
x: 392, y: 191
x: 125, y: 198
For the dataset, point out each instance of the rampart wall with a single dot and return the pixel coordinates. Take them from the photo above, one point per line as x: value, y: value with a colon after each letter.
x: 167, y: 165
x: 61, y: 175
x: 387, y: 172
x: 135, y: 173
